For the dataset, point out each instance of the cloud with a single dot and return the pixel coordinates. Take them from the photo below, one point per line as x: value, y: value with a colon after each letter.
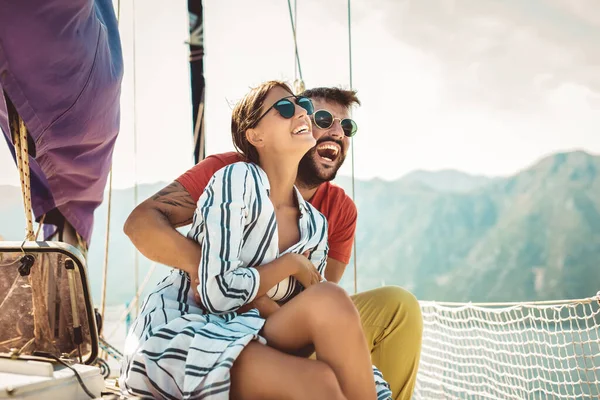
x: 587, y: 10
x: 495, y: 52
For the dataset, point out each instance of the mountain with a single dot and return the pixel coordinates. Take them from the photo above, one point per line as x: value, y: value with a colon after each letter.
x: 448, y: 180
x: 531, y: 236
x: 444, y: 235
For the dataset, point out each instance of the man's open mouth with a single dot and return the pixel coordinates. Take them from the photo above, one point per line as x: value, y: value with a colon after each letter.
x: 328, y: 151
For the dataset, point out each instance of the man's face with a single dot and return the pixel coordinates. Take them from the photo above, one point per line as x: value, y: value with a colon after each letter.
x: 322, y: 162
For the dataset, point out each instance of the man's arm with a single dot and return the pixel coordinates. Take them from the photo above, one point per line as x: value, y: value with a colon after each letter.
x: 342, y: 228
x: 334, y: 270
x: 151, y: 228
x: 151, y: 225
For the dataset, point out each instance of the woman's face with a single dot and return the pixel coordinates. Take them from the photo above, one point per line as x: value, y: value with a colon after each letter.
x: 290, y: 138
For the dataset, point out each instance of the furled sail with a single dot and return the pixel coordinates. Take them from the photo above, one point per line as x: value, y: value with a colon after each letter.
x: 196, y: 44
x: 61, y: 72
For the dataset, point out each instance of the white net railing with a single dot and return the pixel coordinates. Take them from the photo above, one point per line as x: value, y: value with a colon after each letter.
x: 537, y: 350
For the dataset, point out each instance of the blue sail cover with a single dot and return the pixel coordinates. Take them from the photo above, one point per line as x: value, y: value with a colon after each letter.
x: 61, y: 66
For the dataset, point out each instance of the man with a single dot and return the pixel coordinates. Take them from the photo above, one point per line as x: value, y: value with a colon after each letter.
x: 61, y: 67
x: 391, y: 316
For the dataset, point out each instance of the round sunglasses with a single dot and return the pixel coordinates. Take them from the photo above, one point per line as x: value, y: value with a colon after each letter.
x: 286, y: 108
x: 324, y: 120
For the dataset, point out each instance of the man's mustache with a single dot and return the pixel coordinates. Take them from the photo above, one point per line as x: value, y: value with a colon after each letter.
x: 339, y: 142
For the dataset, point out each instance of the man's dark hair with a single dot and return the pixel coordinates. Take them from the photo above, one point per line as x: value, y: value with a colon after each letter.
x: 343, y: 97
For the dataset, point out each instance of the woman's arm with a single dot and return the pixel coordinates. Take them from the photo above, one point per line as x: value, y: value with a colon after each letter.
x: 318, y: 256
x: 225, y: 284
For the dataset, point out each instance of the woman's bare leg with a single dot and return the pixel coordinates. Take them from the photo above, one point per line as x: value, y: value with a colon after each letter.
x: 264, y: 373
x: 324, y: 315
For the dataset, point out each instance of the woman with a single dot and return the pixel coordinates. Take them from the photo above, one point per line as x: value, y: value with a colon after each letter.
x: 260, y: 241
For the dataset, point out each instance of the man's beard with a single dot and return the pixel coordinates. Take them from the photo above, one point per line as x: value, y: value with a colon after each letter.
x: 310, y: 175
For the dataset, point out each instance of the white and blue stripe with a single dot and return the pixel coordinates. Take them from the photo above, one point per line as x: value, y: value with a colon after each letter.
x: 176, y: 349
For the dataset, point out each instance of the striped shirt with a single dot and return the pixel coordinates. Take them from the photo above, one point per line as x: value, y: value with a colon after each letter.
x: 175, y: 350
x: 235, y: 222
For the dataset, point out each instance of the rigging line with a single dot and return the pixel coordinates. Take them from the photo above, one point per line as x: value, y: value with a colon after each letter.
x: 295, y: 42
x: 106, y: 243
x: 295, y: 30
x: 352, y: 149
x: 39, y: 228
x: 133, y: 301
x: 135, y: 186
x: 514, y: 304
x: 19, y: 138
x: 108, y: 214
x: 75, y: 372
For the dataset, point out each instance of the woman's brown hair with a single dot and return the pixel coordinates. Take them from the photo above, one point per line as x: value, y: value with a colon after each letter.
x: 246, y: 114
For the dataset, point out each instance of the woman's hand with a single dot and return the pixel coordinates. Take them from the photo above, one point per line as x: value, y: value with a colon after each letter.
x: 265, y: 305
x: 306, y: 273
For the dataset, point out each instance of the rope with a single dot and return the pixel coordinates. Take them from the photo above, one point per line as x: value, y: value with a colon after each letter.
x: 352, y: 149
x: 39, y: 228
x: 135, y: 186
x: 106, y: 242
x: 41, y: 327
x: 515, y: 304
x: 19, y: 137
x: 58, y: 360
x: 199, y: 130
x: 295, y: 30
x: 299, y: 83
x: 107, y: 237
x: 134, y: 300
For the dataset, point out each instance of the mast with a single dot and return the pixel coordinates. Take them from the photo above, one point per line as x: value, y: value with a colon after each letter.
x: 196, y: 43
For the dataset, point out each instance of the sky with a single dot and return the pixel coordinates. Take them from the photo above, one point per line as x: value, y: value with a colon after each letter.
x: 483, y: 86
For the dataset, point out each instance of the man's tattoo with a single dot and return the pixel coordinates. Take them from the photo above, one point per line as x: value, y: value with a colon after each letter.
x: 175, y: 195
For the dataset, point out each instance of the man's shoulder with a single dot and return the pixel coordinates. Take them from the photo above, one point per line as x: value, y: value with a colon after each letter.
x: 223, y: 159
x: 195, y: 179
x: 338, y: 195
x: 214, y: 162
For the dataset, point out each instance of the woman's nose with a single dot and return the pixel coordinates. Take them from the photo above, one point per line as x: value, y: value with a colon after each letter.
x: 302, y: 110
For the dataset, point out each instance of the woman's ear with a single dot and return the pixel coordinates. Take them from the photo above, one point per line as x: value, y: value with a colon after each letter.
x: 255, y: 137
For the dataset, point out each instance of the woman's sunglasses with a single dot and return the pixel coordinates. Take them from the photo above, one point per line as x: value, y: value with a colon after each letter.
x: 324, y: 119
x: 286, y: 108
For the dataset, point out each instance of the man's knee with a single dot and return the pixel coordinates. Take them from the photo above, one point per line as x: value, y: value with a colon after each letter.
x: 399, y: 307
x: 408, y: 307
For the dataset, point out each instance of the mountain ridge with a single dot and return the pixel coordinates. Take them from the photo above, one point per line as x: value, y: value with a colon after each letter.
x: 533, y: 235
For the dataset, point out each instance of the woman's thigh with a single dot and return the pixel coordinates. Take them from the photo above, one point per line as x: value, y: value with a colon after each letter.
x: 261, y: 372
x: 322, y: 307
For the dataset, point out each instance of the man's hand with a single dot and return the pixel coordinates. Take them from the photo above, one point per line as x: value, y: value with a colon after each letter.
x: 195, y: 282
x: 265, y: 305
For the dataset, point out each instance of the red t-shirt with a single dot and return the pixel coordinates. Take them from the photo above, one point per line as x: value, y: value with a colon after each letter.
x: 329, y: 199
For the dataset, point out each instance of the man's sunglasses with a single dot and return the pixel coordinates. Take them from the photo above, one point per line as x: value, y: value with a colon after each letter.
x: 324, y: 119
x: 286, y: 108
